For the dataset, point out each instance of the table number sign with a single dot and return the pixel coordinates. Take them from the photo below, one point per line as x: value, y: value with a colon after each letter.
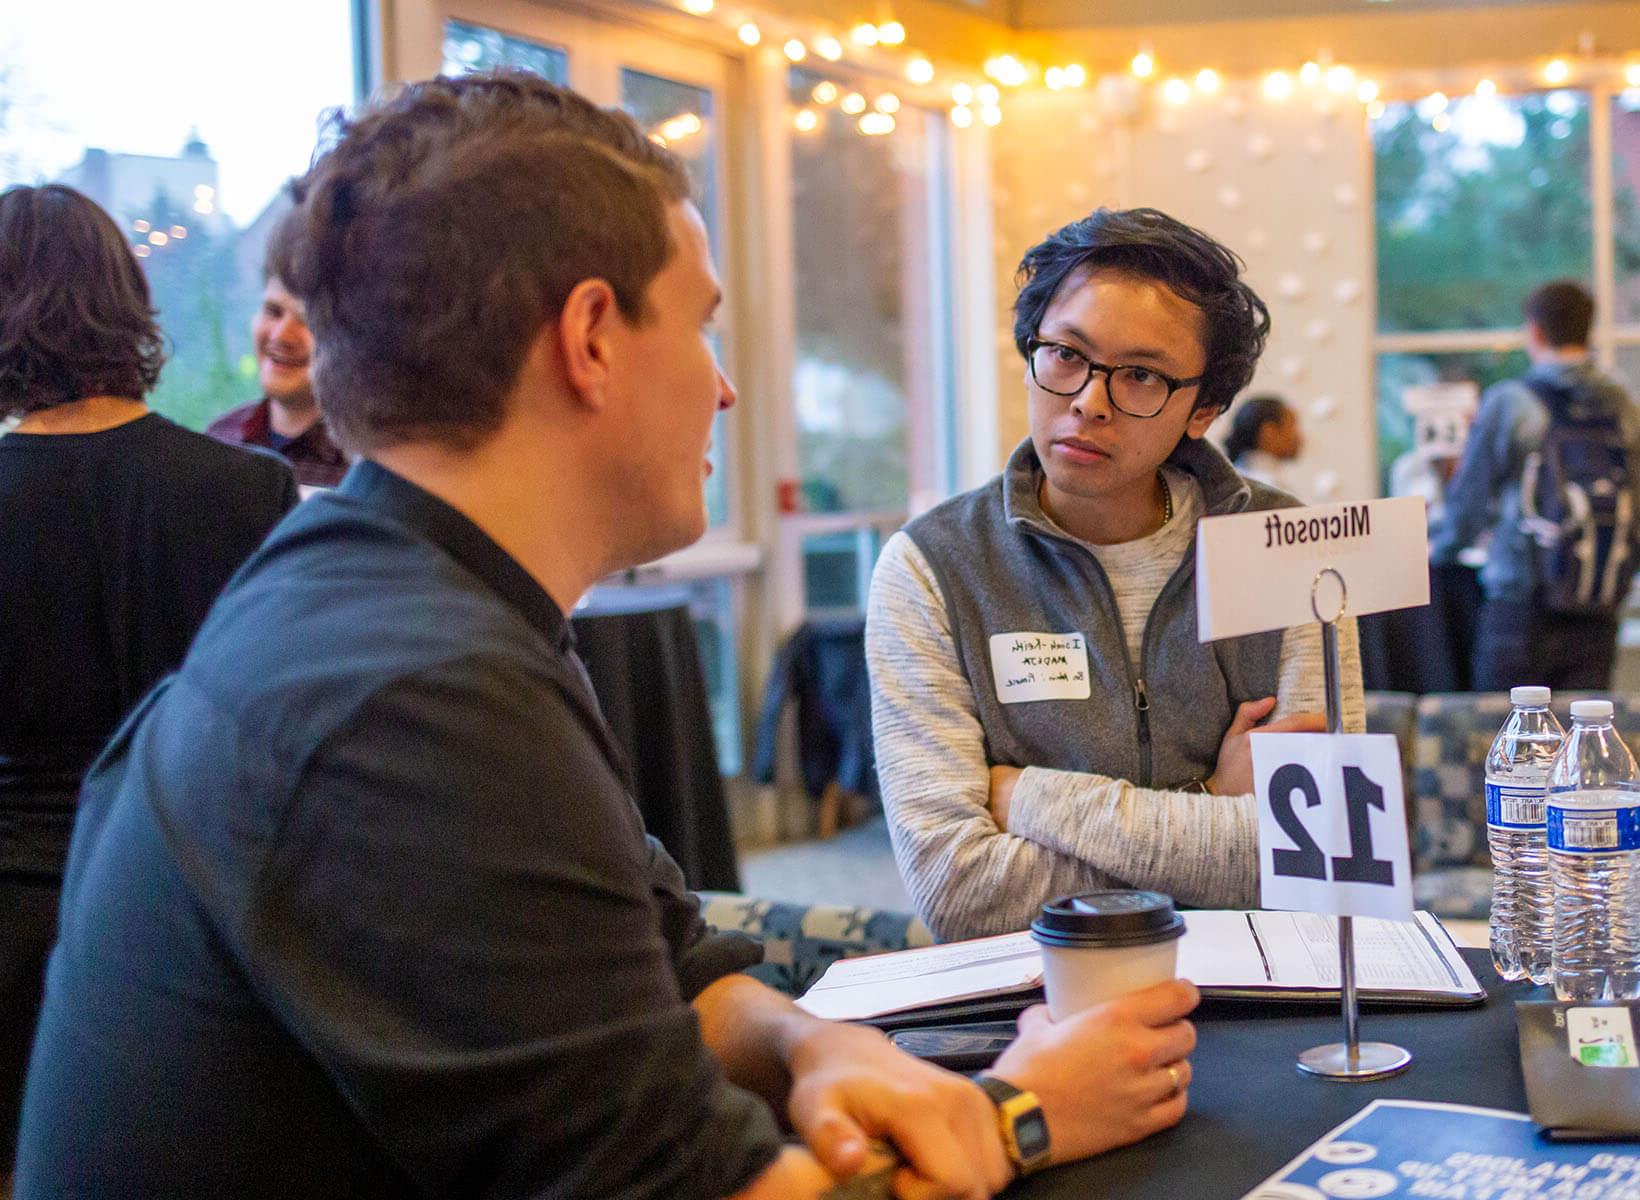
x: 1332, y: 829
x: 1282, y: 568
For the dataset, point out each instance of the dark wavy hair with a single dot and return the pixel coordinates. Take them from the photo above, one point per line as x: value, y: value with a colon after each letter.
x: 1153, y: 245
x: 75, y: 315
x: 1254, y: 414
x: 444, y: 226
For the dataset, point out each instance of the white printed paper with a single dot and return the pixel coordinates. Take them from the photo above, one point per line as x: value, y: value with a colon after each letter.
x: 1224, y: 952
x: 1257, y: 571
x: 1332, y: 824
x: 1039, y: 666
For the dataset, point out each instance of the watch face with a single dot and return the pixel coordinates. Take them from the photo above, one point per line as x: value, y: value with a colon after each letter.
x: 1031, y: 1134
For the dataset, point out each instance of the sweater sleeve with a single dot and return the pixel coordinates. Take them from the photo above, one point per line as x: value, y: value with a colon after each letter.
x: 1302, y: 685
x: 967, y: 878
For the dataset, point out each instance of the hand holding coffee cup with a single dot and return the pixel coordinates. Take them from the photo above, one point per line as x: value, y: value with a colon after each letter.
x: 1097, y: 946
x: 1111, y: 1063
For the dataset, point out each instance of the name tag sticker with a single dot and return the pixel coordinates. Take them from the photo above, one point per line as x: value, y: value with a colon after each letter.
x: 1039, y: 666
x: 1601, y: 1037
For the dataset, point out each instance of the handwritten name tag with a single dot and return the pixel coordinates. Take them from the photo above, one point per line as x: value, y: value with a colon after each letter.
x: 1039, y: 666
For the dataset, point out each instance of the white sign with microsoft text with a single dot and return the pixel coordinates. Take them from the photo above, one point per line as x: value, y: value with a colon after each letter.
x: 1260, y: 570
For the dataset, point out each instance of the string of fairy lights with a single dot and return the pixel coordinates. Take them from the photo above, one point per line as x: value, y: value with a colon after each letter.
x: 881, y: 51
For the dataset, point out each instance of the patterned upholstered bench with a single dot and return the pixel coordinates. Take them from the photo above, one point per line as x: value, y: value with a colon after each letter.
x: 1395, y: 713
x: 1452, y: 870
x: 800, y: 941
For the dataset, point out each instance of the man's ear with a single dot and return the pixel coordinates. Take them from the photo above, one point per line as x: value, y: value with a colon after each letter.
x: 586, y: 332
x: 1200, y: 420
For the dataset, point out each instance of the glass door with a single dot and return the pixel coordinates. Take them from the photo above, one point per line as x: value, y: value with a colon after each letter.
x: 675, y: 91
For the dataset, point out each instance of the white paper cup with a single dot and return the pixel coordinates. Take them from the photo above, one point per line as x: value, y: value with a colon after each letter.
x: 1100, y: 945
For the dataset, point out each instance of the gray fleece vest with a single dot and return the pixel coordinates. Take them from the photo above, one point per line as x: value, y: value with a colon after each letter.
x: 1003, y: 568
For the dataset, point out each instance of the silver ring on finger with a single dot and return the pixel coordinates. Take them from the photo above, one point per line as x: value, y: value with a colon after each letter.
x: 1178, y: 1080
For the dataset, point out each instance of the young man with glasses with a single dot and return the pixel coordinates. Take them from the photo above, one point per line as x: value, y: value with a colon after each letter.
x: 1046, y: 720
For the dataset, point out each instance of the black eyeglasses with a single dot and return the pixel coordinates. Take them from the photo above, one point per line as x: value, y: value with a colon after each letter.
x: 1137, y: 391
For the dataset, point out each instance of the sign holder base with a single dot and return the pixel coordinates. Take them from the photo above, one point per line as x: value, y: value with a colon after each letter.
x: 1372, y: 1060
x: 1351, y: 1060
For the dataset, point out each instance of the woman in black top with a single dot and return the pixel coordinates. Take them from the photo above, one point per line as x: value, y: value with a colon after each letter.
x: 117, y: 530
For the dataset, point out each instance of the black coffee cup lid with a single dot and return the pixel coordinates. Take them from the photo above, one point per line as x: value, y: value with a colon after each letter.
x: 1108, y: 919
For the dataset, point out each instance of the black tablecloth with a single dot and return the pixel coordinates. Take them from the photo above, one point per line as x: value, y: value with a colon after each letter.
x: 1252, y: 1112
x: 646, y: 668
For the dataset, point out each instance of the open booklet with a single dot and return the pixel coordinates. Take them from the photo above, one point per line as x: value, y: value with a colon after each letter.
x: 1257, y: 954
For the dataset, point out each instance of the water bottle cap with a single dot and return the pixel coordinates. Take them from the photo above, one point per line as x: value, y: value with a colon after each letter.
x: 1592, y: 710
x: 1529, y: 697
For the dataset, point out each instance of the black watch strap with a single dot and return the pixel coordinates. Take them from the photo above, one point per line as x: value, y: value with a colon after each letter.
x: 1020, y: 1119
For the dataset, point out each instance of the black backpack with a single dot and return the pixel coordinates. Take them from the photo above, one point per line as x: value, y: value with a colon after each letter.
x: 1577, y: 505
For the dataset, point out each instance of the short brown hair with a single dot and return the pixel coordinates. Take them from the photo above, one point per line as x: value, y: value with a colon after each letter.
x: 444, y: 227
x: 1563, y: 311
x: 76, y: 319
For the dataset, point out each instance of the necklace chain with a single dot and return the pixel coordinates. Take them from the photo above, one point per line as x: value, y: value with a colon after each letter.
x: 1167, y: 497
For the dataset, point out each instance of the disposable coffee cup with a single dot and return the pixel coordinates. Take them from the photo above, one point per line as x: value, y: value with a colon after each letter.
x: 1097, y: 946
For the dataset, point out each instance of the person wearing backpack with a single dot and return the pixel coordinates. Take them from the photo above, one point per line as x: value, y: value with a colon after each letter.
x: 1551, y: 471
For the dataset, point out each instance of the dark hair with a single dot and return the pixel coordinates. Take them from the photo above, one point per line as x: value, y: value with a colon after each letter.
x: 1251, y: 417
x: 440, y: 231
x: 75, y: 316
x: 1562, y: 311
x: 1153, y: 245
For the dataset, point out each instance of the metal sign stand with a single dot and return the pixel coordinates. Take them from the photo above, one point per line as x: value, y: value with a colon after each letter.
x: 1351, y: 1059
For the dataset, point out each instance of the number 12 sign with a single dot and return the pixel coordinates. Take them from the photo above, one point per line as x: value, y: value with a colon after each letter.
x: 1332, y: 828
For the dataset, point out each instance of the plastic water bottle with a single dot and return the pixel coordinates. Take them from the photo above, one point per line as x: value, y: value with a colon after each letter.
x: 1594, y: 857
x: 1517, y: 780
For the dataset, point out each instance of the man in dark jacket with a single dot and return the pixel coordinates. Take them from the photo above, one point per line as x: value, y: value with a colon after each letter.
x: 1520, y: 637
x: 360, y: 903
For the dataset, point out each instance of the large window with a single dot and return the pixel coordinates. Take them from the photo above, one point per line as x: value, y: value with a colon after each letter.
x: 469, y: 48
x: 869, y: 188
x: 1480, y: 199
x: 184, y: 129
x: 1626, y: 204
x: 675, y: 93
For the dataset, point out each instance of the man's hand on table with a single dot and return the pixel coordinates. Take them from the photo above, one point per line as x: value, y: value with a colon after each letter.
x: 1233, y: 776
x: 1102, y: 1076
x: 850, y: 1086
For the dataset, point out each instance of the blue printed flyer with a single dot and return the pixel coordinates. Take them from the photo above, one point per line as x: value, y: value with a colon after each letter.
x: 1451, y: 1152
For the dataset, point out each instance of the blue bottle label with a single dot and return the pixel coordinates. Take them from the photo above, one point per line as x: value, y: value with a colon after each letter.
x: 1594, y: 830
x: 1514, y: 807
